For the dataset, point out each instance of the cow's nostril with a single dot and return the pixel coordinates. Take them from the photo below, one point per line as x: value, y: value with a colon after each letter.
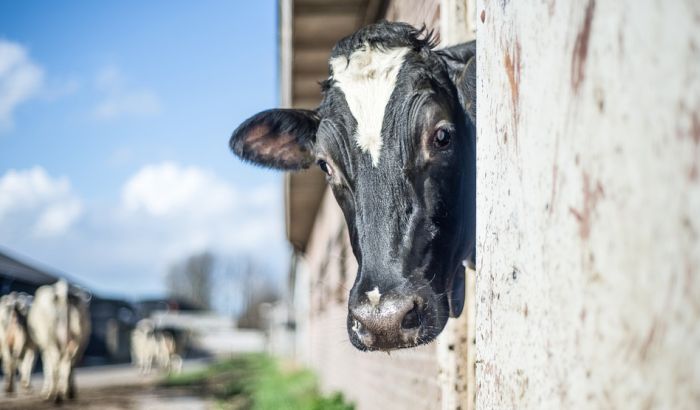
x: 412, y: 318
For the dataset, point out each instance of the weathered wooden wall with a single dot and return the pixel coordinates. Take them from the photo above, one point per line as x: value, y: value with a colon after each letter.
x: 587, y: 290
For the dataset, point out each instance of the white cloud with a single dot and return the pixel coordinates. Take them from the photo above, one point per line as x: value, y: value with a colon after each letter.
x: 119, y: 100
x: 60, y: 88
x: 165, y: 212
x: 58, y: 217
x: 33, y: 197
x: 189, y: 209
x: 167, y: 189
x: 20, y: 79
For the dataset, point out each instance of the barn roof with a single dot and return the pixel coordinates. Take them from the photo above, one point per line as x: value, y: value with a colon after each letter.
x: 308, y: 30
x: 11, y: 267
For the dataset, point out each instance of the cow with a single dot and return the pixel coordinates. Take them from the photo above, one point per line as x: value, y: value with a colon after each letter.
x: 59, y: 324
x: 17, y: 348
x: 150, y: 345
x: 167, y: 356
x: 395, y: 135
x: 142, y: 351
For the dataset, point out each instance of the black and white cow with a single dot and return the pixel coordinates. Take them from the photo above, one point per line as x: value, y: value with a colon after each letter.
x: 395, y: 134
x: 17, y: 348
x: 59, y: 324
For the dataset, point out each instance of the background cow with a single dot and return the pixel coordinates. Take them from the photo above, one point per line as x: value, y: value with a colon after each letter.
x: 395, y: 135
x: 150, y: 345
x: 59, y: 324
x: 18, y: 349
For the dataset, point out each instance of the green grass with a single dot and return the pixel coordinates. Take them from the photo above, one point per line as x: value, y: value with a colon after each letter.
x: 258, y: 382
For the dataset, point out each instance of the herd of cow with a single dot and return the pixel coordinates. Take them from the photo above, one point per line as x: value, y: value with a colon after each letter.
x: 56, y: 323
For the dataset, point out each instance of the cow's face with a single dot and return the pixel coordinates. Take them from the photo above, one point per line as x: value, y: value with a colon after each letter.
x: 397, y: 146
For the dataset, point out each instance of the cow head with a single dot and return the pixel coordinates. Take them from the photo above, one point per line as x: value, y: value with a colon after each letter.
x: 395, y: 136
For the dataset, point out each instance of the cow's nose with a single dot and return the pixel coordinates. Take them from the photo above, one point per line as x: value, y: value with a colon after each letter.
x: 387, y: 323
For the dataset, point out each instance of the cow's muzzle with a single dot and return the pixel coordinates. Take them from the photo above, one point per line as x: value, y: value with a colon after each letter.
x: 388, y: 323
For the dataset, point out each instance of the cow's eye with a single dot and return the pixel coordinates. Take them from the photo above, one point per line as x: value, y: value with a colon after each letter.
x: 442, y: 138
x: 325, y: 167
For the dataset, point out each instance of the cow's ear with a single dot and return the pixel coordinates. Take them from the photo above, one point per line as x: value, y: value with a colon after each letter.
x: 461, y: 66
x: 282, y: 138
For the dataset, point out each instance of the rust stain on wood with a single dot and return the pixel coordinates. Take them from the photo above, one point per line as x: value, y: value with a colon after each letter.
x: 580, y: 54
x: 512, y: 65
x: 511, y: 62
x: 591, y: 196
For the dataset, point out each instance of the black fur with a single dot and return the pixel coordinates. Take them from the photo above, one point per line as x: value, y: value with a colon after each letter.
x: 278, y: 138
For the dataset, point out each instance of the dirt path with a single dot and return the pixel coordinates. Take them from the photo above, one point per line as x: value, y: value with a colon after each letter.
x: 115, y: 398
x: 113, y: 387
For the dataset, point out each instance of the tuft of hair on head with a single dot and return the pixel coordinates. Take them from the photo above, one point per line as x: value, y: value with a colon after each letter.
x: 385, y: 35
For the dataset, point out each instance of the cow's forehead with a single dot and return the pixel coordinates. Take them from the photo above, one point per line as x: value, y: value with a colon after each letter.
x: 367, y: 78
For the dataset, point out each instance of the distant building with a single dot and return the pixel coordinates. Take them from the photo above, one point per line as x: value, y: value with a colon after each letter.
x: 17, y: 276
x: 112, y: 322
x: 146, y: 307
x: 111, y: 319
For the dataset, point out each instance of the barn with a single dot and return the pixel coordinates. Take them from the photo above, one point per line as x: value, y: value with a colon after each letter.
x: 586, y: 290
x: 18, y: 276
x: 112, y: 318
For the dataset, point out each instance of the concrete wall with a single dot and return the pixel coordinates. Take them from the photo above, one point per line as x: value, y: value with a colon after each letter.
x: 587, y: 291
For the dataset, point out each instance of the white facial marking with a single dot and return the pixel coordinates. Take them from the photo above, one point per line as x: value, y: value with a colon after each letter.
x: 374, y: 296
x: 367, y: 79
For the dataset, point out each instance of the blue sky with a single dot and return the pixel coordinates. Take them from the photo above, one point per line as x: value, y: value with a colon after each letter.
x: 114, y: 122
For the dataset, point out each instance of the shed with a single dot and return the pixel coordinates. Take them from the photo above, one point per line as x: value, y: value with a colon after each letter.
x: 18, y: 276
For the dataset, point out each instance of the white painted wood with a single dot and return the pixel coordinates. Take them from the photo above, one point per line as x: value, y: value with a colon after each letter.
x: 588, y: 221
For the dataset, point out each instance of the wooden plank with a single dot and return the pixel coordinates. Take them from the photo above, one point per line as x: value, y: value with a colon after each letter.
x: 323, y: 29
x: 311, y: 60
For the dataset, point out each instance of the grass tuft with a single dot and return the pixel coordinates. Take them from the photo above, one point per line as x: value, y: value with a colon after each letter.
x: 258, y: 382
